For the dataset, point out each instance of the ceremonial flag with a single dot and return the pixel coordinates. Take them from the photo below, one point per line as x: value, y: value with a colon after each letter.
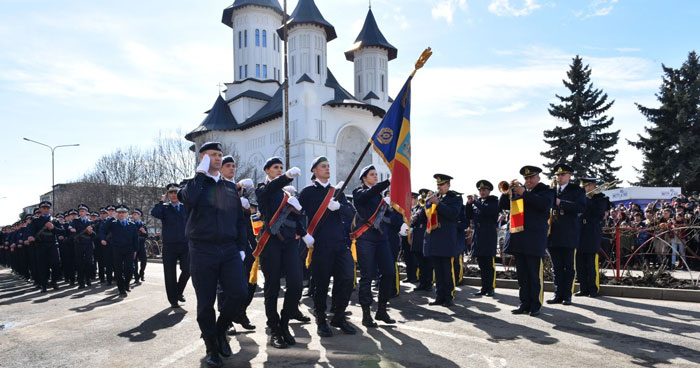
x: 517, y: 213
x: 392, y: 141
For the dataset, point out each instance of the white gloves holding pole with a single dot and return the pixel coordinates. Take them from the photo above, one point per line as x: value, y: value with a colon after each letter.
x: 309, y: 240
x: 294, y: 202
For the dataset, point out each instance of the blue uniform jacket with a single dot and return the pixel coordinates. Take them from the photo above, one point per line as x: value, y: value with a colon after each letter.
x: 566, y: 222
x: 366, y: 201
x: 173, y: 221
x: 42, y: 237
x: 418, y: 223
x: 442, y: 242
x: 484, y: 214
x: 215, y: 214
x: 270, y: 195
x: 592, y: 223
x: 331, y: 228
x: 532, y: 240
x: 120, y: 236
x: 142, y: 236
x: 80, y: 237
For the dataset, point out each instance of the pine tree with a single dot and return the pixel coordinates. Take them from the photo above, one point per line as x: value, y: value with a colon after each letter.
x: 671, y: 148
x: 583, y: 143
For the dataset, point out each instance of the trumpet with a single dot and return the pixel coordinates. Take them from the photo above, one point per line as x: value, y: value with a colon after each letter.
x: 602, y: 188
x: 422, y: 201
x: 505, y: 187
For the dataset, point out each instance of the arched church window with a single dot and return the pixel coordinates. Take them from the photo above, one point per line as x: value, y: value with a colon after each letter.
x: 257, y: 37
x: 264, y: 38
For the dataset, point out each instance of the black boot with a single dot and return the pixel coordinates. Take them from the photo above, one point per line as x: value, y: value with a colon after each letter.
x: 323, y: 330
x: 213, y: 359
x: 231, y: 330
x: 367, y: 320
x: 276, y: 340
x: 222, y: 342
x: 340, y: 322
x: 382, y: 315
x: 245, y: 322
x: 284, y: 329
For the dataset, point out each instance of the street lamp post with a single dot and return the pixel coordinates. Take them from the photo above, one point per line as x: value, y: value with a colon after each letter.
x: 53, y: 149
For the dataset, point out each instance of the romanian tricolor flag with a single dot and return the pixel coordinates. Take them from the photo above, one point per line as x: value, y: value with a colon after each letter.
x: 257, y: 223
x: 392, y: 141
x: 517, y: 213
x: 432, y: 215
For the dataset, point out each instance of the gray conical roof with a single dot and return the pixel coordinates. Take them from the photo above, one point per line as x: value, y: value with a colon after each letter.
x: 370, y: 35
x: 306, y: 12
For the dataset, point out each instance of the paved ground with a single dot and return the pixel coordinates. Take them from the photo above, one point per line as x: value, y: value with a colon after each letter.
x: 95, y: 328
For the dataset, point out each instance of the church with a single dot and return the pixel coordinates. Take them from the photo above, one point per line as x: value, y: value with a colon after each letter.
x: 324, y: 118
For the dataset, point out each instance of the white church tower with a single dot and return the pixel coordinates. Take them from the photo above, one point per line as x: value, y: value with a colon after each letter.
x: 371, y: 54
x: 308, y: 34
x: 257, y: 54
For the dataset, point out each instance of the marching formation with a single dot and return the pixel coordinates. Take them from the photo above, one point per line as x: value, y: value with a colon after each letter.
x: 223, y: 233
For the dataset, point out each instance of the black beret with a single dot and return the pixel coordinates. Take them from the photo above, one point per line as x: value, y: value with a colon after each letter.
x: 227, y: 159
x: 528, y: 171
x: 210, y: 146
x: 484, y: 184
x: 317, y: 161
x: 366, y: 170
x: 271, y: 161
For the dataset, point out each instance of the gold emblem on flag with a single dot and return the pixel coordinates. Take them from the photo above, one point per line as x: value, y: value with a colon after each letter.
x: 385, y: 135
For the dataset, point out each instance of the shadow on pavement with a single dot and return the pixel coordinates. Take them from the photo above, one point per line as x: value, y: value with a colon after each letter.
x: 166, y: 318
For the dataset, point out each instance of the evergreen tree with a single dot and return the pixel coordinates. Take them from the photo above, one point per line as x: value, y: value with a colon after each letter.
x: 583, y: 142
x: 671, y: 148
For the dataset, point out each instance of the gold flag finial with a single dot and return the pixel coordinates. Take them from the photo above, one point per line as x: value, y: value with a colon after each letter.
x: 427, y: 53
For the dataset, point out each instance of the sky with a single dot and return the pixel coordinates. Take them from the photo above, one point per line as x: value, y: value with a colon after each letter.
x: 109, y: 74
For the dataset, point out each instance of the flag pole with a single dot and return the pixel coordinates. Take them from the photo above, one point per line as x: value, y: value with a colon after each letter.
x: 427, y: 53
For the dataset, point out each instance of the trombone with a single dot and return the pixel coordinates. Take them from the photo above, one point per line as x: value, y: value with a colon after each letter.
x: 602, y: 188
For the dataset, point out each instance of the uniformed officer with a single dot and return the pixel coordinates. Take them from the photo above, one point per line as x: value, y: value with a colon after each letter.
x: 569, y: 203
x: 98, y: 250
x: 591, y: 237
x: 331, y: 255
x: 216, y: 231
x: 228, y: 172
x: 441, y: 243
x: 43, y: 231
x: 175, y: 249
x: 67, y: 251
x: 373, y: 251
x: 283, y: 222
x: 418, y: 223
x: 483, y: 213
x: 394, y: 228
x: 529, y: 244
x: 409, y: 257
x: 122, y: 235
x: 141, y: 257
x: 82, y: 232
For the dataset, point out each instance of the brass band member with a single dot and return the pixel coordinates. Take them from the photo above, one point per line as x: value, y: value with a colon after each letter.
x: 483, y: 211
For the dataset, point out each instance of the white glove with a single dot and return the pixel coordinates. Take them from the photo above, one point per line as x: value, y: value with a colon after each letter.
x: 293, y: 172
x: 333, y: 205
x: 246, y: 184
x: 204, y: 165
x: 245, y: 203
x: 290, y: 189
x: 309, y: 240
x: 294, y: 202
x: 339, y: 185
x: 404, y: 230
x: 242, y: 255
x: 388, y: 201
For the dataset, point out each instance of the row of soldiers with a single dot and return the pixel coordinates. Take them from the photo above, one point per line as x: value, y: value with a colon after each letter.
x: 211, y: 229
x: 77, y: 246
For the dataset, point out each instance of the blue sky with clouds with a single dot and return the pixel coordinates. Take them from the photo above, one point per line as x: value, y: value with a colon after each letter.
x: 107, y: 74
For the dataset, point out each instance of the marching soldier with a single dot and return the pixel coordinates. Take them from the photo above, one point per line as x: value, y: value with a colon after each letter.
x: 173, y: 216
x: 66, y: 250
x: 42, y: 234
x: 141, y: 250
x: 122, y: 235
x: 442, y: 212
x: 569, y: 203
x: 529, y: 243
x: 591, y: 237
x: 98, y: 251
x: 228, y: 172
x: 277, y: 249
x: 217, y: 231
x: 373, y: 251
x: 331, y: 255
x: 418, y: 224
x: 483, y: 213
x: 82, y: 233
